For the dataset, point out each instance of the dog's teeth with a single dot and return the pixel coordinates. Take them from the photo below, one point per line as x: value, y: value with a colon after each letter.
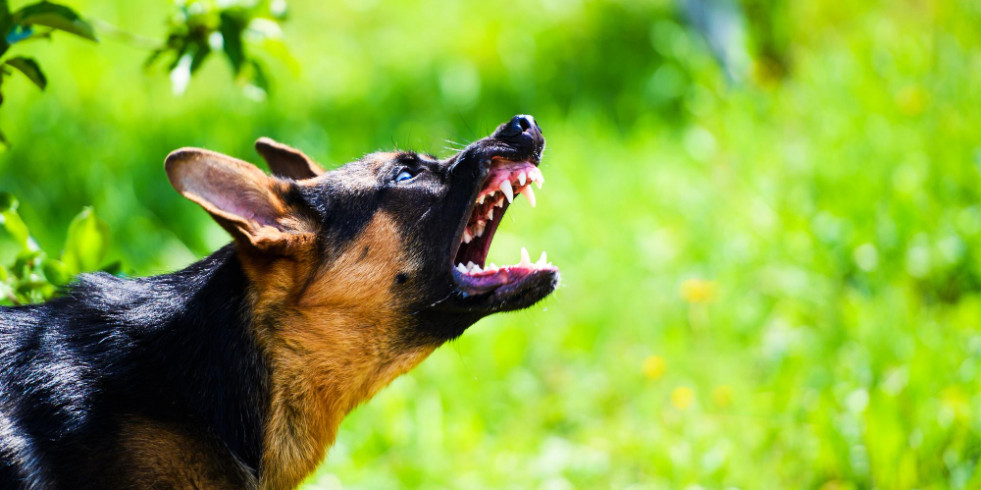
x: 507, y: 190
x: 490, y: 213
x: 542, y: 261
x: 525, y: 259
x: 536, y: 176
x: 528, y: 193
x: 471, y: 265
x: 467, y: 237
x: 521, y: 178
x: 462, y: 268
x: 500, y: 202
x: 492, y: 266
x: 480, y: 200
x: 480, y: 228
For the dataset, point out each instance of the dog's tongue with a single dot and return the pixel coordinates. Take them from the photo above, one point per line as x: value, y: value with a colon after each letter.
x: 489, y: 280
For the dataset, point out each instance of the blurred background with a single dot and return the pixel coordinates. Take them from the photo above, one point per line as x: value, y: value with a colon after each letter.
x: 766, y: 212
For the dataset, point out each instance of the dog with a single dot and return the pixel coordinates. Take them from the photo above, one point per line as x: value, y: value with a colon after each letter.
x: 236, y: 371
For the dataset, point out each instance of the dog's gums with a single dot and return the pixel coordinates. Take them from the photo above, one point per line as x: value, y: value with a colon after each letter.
x: 505, y: 180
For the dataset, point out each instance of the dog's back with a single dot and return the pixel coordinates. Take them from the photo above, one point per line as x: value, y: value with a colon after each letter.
x: 126, y: 375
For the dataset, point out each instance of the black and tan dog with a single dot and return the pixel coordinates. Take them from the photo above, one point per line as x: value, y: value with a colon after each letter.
x: 235, y: 372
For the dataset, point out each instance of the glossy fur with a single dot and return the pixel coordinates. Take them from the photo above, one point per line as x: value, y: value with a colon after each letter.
x: 237, y: 371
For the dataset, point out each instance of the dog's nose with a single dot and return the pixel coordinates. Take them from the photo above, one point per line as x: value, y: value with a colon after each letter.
x: 522, y: 123
x: 519, y: 126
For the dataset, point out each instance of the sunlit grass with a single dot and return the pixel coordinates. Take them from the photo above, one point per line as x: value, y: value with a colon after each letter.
x: 772, y: 284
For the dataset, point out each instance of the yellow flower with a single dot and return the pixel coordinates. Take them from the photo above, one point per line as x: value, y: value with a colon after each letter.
x: 654, y: 367
x: 722, y: 395
x: 697, y: 290
x: 682, y: 397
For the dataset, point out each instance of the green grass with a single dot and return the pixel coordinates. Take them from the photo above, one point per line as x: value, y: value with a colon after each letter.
x: 774, y: 284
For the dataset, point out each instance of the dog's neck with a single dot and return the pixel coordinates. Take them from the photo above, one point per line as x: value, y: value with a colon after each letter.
x: 331, y: 340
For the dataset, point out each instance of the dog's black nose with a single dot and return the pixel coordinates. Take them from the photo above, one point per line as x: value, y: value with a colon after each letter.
x: 523, y: 135
x: 521, y: 123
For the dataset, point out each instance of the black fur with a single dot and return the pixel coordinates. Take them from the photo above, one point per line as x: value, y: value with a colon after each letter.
x: 175, y: 348
x: 179, y: 349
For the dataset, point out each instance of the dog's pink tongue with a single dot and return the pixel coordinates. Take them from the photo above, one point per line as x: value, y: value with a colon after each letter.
x: 491, y: 279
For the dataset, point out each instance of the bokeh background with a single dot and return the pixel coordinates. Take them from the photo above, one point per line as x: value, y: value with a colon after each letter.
x: 767, y: 214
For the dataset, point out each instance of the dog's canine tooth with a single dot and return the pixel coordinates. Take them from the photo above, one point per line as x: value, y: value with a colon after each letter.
x: 542, y: 261
x: 525, y: 259
x: 521, y: 177
x: 536, y: 176
x: 507, y: 190
x: 528, y: 193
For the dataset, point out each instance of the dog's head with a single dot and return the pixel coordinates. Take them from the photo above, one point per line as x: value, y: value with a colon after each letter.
x: 357, y: 274
x: 401, y: 232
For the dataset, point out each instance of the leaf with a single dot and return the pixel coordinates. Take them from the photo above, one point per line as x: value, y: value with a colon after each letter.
x: 201, y: 52
x: 87, y: 242
x: 30, y: 69
x: 5, y: 17
x: 259, y: 78
x: 11, y: 222
x: 56, y: 272
x: 231, y: 28
x: 55, y: 16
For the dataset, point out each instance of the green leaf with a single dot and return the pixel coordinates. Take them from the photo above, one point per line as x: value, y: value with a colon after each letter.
x: 231, y: 28
x: 56, y: 17
x: 56, y: 272
x: 11, y: 222
x: 201, y: 52
x: 5, y: 17
x: 87, y: 243
x: 259, y: 78
x: 30, y: 69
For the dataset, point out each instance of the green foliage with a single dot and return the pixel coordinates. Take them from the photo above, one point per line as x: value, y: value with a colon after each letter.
x: 54, y: 16
x: 201, y: 26
x: 34, y: 21
x: 29, y: 68
x: 34, y: 276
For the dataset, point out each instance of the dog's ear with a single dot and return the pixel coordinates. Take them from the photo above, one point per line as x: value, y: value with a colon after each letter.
x: 286, y: 161
x: 241, y: 198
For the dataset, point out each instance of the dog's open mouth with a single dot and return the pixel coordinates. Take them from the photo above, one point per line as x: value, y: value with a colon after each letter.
x: 505, y: 182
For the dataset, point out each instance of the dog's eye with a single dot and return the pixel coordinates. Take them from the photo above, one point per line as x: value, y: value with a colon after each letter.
x: 404, y: 175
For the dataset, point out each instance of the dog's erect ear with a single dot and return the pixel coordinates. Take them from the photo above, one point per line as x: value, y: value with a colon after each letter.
x: 286, y: 161
x: 240, y: 197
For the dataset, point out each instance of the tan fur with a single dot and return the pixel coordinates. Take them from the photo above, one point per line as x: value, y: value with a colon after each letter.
x: 333, y: 340
x: 155, y: 455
